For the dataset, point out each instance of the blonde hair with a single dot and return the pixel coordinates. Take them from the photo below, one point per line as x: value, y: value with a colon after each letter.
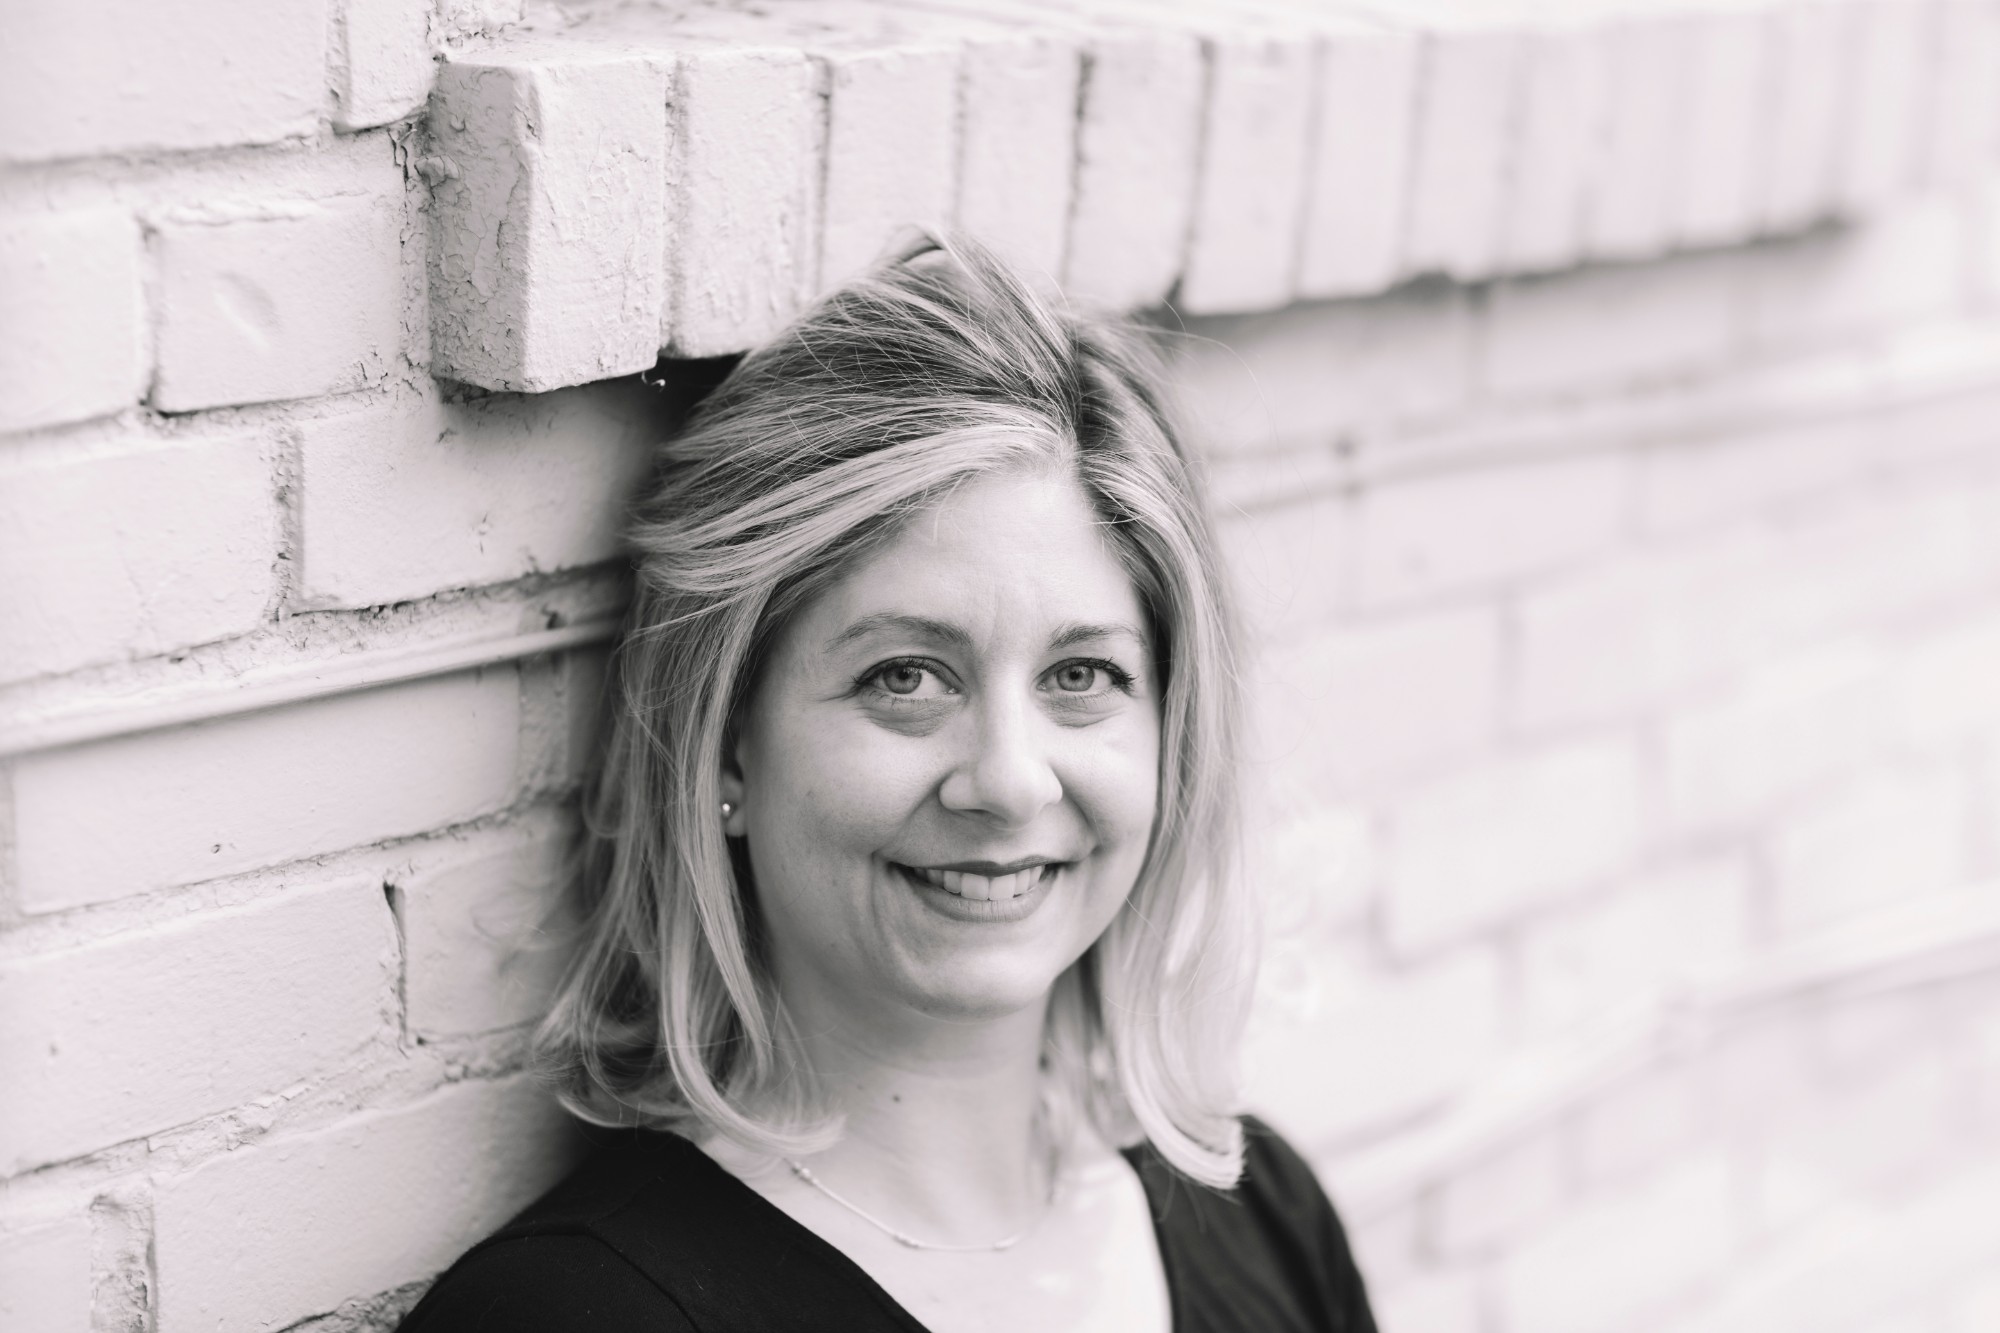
x: 938, y: 366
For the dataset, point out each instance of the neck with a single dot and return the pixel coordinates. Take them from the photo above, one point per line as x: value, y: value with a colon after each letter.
x: 941, y: 1120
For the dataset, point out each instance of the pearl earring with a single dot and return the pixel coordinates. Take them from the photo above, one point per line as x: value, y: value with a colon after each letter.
x: 728, y: 809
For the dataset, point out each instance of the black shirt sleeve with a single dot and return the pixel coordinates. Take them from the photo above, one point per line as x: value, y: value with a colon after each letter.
x: 548, y: 1283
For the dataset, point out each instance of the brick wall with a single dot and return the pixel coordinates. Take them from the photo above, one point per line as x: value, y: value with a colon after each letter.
x: 1605, y: 416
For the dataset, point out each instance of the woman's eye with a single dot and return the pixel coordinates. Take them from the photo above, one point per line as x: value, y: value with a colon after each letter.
x: 1076, y: 677
x: 902, y: 678
x: 907, y: 680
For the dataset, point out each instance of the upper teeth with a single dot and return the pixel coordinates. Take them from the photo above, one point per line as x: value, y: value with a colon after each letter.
x: 983, y: 888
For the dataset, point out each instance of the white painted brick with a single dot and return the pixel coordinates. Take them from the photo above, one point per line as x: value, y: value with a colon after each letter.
x: 1387, y: 1241
x: 1983, y: 227
x: 1288, y: 565
x: 1799, y: 720
x: 405, y: 499
x: 743, y: 227
x: 891, y: 149
x: 1949, y: 684
x: 1383, y: 1049
x: 1848, y: 1143
x: 195, y: 802
x: 99, y: 76
x: 1640, y: 146
x: 1507, y: 837
x: 1892, y: 69
x: 1809, y: 92
x: 1315, y: 861
x: 1894, y: 836
x: 483, y: 932
x: 1562, y: 95
x: 286, y: 1228
x: 1728, y: 134
x: 45, y: 1278
x: 1138, y: 142
x: 286, y: 302
x: 1435, y: 1302
x: 1362, y: 148
x: 1635, y: 945
x: 381, y: 69
x: 1492, y: 1202
x: 1017, y: 146
x: 1332, y: 711
x: 1901, y: 266
x: 1249, y: 201
x: 1689, y: 483
x: 1647, y: 1121
x: 548, y: 234
x: 1312, y: 374
x: 72, y: 336
x: 1549, y: 335
x: 211, y: 1009
x: 1614, y: 1264
x: 1463, y: 148
x: 1963, y: 129
x: 1428, y: 536
x: 123, y: 546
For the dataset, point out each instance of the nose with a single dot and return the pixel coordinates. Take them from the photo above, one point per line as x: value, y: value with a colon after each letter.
x: 1006, y: 776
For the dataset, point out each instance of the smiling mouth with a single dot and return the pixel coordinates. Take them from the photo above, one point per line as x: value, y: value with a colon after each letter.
x: 983, y: 888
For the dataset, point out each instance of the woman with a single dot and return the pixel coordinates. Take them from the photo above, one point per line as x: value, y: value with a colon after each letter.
x: 915, y: 964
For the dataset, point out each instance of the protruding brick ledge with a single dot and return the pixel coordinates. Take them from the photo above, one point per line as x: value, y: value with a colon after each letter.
x: 620, y: 180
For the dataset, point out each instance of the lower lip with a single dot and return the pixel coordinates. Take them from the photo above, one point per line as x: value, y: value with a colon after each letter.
x: 982, y: 911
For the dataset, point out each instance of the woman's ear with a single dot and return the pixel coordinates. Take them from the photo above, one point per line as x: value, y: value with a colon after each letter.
x: 734, y: 822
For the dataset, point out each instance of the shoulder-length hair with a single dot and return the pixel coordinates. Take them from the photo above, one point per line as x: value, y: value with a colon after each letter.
x: 938, y: 366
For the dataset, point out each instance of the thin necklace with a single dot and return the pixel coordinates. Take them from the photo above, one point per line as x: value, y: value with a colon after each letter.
x: 804, y: 1173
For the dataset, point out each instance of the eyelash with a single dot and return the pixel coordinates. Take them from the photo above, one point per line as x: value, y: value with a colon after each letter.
x: 1121, y: 679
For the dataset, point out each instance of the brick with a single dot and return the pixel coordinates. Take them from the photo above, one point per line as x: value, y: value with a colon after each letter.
x: 1387, y: 1242
x: 381, y: 69
x: 1333, y: 711
x: 290, y: 1227
x: 1948, y: 684
x: 1138, y: 141
x: 1242, y: 252
x: 1508, y: 837
x: 1727, y: 133
x: 1894, y: 836
x: 212, y: 1008
x: 1798, y: 721
x: 1642, y: 1123
x: 1463, y: 142
x: 1315, y: 374
x: 1431, y: 536
x: 549, y: 226
x: 289, y: 302
x: 1808, y: 91
x: 1899, y: 267
x: 1288, y: 566
x: 96, y: 77
x: 890, y: 152
x: 1883, y: 1136
x: 45, y: 1278
x: 1492, y: 1202
x: 483, y: 932
x: 1962, y: 131
x: 1436, y: 1302
x: 121, y: 547
x: 1617, y: 1263
x: 406, y: 499
x: 1358, y: 1052
x: 1690, y: 483
x: 1017, y: 145
x: 743, y: 228
x: 1317, y: 859
x: 1635, y: 946
x: 72, y: 334
x: 1627, y: 634
x: 1546, y: 336
x: 1358, y: 178
x: 1562, y: 97
x: 1891, y: 71
x: 192, y: 803
x: 1638, y: 171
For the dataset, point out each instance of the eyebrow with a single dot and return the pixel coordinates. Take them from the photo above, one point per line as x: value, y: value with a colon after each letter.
x: 944, y: 632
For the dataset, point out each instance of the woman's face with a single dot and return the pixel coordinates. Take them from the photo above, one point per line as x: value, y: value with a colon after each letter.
x: 948, y: 772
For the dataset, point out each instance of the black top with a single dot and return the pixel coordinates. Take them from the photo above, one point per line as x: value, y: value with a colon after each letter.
x: 651, y: 1234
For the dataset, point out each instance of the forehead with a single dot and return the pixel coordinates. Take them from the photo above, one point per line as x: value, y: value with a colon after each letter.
x: 1014, y: 554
